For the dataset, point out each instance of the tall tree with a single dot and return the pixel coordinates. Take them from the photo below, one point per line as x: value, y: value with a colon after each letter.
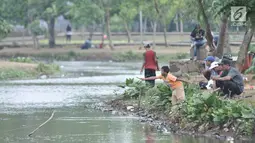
x: 250, y: 25
x: 49, y: 10
x: 166, y: 10
x: 127, y: 13
x: 87, y: 13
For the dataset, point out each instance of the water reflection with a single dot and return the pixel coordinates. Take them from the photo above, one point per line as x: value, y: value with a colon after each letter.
x: 150, y: 138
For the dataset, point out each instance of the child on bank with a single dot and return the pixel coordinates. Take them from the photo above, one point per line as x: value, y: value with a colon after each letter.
x: 175, y: 84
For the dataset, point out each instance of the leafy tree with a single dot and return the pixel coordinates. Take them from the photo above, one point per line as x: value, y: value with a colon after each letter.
x: 250, y: 25
x: 128, y: 11
x: 48, y: 10
x: 166, y: 10
x: 36, y: 30
x: 87, y: 13
x: 5, y: 28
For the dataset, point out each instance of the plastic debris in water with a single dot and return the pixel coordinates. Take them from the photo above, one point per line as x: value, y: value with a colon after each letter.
x: 130, y: 108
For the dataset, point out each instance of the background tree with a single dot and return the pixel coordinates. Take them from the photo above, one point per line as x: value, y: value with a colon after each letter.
x: 166, y: 10
x: 127, y: 13
x: 86, y: 13
x: 250, y: 25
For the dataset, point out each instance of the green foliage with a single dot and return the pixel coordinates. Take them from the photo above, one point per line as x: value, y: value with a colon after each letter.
x: 199, y: 107
x: 86, y: 12
x: 47, y: 69
x: 22, y: 60
x: 117, y: 24
x: 6, y: 74
x: 134, y: 89
x: 251, y: 69
x: 36, y: 29
x: 127, y: 56
x: 5, y: 28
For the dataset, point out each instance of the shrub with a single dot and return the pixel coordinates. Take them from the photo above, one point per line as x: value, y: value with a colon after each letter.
x: 47, y: 69
x: 22, y: 60
x: 199, y: 107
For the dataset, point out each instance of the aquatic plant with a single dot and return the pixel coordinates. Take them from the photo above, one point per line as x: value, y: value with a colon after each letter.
x: 201, y: 108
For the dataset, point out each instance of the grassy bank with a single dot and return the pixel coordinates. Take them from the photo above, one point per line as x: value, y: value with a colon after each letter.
x: 22, y: 70
x: 202, y: 112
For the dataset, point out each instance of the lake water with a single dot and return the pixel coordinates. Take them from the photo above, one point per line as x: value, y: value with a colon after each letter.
x: 25, y: 104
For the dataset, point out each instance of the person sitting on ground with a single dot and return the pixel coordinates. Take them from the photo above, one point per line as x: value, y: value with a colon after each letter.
x: 150, y: 64
x: 87, y: 44
x: 173, y: 82
x: 232, y: 83
x: 197, y: 38
x: 207, y: 72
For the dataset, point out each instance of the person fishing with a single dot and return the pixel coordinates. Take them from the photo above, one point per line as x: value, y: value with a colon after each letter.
x: 176, y: 85
x: 198, y: 40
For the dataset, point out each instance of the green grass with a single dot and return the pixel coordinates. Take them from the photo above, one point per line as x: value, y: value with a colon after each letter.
x: 63, y: 41
x: 19, y: 73
x: 6, y: 74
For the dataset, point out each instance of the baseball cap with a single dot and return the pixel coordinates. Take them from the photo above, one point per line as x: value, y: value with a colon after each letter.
x: 225, y: 62
x: 210, y: 58
x: 214, y: 65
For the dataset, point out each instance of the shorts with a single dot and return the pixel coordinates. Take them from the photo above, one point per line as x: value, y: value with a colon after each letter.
x: 178, y: 95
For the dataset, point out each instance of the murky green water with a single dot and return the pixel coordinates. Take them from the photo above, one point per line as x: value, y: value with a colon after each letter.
x: 24, y: 107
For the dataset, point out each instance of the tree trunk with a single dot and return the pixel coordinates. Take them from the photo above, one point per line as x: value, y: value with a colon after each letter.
x: 51, y: 28
x: 128, y: 32
x: 154, y: 33
x: 165, y: 36
x: 145, y: 25
x: 154, y: 26
x: 91, y: 32
x: 244, y: 48
x: 222, y: 36
x: 35, y: 41
x: 226, y: 49
x: 181, y: 24
x: 109, y: 28
x: 208, y: 36
x: 177, y: 23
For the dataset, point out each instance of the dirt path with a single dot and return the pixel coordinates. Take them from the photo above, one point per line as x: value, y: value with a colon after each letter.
x: 15, y: 65
x: 159, y: 50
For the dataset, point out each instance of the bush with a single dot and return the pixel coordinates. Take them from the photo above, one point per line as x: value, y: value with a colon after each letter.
x: 47, y: 69
x: 15, y: 74
x: 127, y: 56
x: 199, y: 107
x: 22, y: 60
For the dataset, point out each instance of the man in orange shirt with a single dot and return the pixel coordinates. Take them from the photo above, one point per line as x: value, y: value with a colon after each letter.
x: 150, y: 64
x: 175, y: 84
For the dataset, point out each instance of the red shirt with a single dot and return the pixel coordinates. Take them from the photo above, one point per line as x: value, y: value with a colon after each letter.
x: 149, y: 58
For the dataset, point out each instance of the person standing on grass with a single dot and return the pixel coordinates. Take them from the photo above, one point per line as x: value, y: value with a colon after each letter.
x: 68, y: 33
x: 176, y: 85
x: 150, y: 64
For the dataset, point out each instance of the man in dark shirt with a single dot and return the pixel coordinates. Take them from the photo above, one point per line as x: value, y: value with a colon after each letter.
x: 150, y: 64
x: 197, y: 38
x: 232, y: 82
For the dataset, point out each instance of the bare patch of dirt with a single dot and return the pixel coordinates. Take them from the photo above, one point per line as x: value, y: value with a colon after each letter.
x: 15, y: 65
